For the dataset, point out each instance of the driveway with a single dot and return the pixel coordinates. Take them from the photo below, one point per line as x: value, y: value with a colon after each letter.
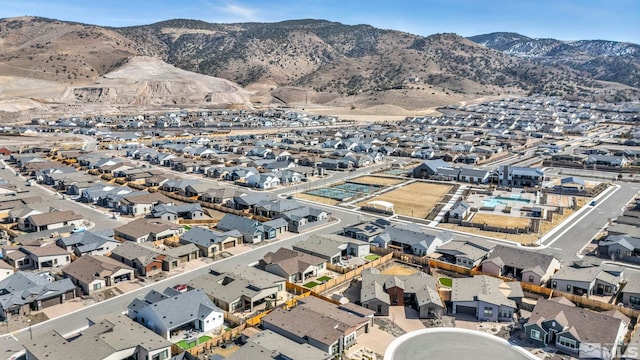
x: 406, y: 318
x: 376, y: 340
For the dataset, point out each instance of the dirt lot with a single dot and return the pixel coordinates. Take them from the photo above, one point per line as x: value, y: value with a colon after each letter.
x: 500, y: 220
x: 399, y: 270
x: 377, y: 180
x: 415, y: 199
x: 525, y: 239
x: 318, y: 199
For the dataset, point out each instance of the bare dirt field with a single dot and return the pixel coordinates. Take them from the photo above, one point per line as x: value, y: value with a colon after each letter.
x: 318, y: 199
x: 399, y: 270
x: 500, y: 220
x: 565, y: 201
x: 415, y: 199
x: 377, y: 180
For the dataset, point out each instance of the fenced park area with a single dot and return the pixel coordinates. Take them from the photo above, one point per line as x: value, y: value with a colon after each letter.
x: 416, y: 199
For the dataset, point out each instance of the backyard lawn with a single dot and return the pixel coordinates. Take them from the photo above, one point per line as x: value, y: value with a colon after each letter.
x: 371, y: 257
x: 324, y: 278
x: 444, y: 281
x: 310, y: 284
x: 184, y: 344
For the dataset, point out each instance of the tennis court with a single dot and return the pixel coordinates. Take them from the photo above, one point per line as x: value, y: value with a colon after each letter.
x: 333, y: 193
x: 357, y: 188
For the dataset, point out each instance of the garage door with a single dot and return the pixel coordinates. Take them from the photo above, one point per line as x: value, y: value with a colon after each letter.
x: 465, y: 310
x: 229, y: 244
x: 50, y: 302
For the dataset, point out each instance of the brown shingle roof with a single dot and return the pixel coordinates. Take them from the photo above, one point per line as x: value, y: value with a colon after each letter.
x: 86, y: 267
x: 54, y: 217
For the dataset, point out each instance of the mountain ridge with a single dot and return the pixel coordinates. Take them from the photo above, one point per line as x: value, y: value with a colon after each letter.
x: 603, y: 59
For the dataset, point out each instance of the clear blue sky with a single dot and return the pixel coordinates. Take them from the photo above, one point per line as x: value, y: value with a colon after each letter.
x: 561, y: 19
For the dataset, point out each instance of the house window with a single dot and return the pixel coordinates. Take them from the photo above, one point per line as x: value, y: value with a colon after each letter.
x: 607, y: 289
x: 531, y: 278
x: 568, y: 287
x: 488, y: 311
x: 634, y: 300
x: 535, y: 334
x: 566, y: 342
x: 97, y: 286
x: 554, y: 284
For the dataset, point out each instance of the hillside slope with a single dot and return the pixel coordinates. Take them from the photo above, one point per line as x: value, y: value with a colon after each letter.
x: 600, y: 59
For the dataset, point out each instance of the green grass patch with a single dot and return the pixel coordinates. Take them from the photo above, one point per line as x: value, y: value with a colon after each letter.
x: 186, y: 227
x: 372, y: 257
x: 310, y: 284
x: 184, y: 344
x: 324, y: 278
x: 444, y: 281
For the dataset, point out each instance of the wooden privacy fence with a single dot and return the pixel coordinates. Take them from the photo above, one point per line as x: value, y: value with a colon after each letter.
x: 585, y: 302
x: 347, y: 275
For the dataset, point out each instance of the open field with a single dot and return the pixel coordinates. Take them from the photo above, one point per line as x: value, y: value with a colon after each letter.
x: 399, y: 270
x: 415, y: 199
x: 525, y: 239
x: 318, y: 199
x: 500, y: 220
x: 377, y: 180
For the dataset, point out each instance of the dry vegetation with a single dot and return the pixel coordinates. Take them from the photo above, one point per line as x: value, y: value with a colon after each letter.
x: 416, y: 199
x: 378, y: 180
x: 500, y: 220
x: 318, y: 199
x: 399, y: 270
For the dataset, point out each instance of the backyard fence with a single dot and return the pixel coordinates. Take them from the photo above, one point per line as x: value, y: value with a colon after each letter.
x: 582, y: 301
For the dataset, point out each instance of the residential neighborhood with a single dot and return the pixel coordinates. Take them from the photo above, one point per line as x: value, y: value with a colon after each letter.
x: 214, y: 238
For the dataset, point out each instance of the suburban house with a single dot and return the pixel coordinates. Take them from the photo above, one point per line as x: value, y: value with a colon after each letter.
x: 293, y: 265
x: 36, y: 257
x: 631, y: 291
x: 170, y: 312
x: 304, y: 218
x: 92, y: 273
x: 366, y: 231
x: 145, y: 260
x: 620, y: 248
x: 588, y: 278
x: 380, y: 291
x: 211, y: 242
x: 410, y: 239
x: 88, y: 243
x: 51, y: 220
x: 576, y: 331
x: 328, y: 327
x: 467, y: 253
x: 114, y: 337
x: 144, y: 230
x: 23, y: 292
x: 268, y: 345
x: 527, y: 266
x: 252, y: 231
x: 333, y: 248
x: 172, y: 213
x: 485, y: 297
x: 240, y: 288
x: 142, y: 204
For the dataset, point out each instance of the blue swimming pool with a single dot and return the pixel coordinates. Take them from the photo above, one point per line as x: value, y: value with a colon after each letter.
x: 504, y: 200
